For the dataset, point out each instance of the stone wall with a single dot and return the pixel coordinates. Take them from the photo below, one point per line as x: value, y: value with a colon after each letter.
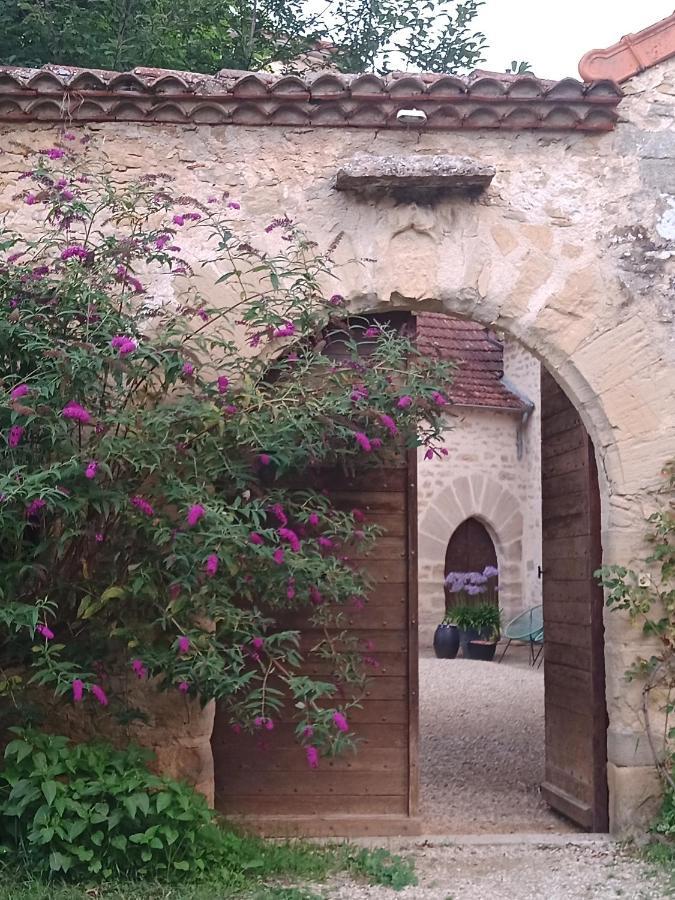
x: 570, y: 251
x: 485, y: 476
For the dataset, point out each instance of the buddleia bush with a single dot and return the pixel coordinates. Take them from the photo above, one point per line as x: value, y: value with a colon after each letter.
x: 158, y: 450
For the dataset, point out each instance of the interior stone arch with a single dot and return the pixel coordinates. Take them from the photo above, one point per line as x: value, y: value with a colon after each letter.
x: 441, y: 512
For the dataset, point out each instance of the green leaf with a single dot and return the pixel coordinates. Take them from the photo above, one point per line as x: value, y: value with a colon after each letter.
x: 59, y: 861
x: 142, y: 802
x: 19, y: 749
x: 49, y: 789
x: 163, y: 800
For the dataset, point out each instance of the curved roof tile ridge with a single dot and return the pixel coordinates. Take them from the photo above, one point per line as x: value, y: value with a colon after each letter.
x: 632, y: 54
x: 451, y: 102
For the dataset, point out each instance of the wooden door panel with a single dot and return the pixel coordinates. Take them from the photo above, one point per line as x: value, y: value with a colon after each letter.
x: 574, y: 677
x: 264, y: 779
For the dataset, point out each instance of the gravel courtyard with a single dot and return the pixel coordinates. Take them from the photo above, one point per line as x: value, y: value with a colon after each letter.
x: 569, y: 868
x: 482, y: 747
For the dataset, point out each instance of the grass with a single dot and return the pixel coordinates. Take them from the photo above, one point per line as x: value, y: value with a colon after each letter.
x: 256, y: 870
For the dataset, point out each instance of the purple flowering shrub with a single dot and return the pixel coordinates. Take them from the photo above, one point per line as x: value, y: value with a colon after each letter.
x: 147, y: 515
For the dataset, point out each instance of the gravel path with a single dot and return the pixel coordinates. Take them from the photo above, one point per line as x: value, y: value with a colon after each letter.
x: 482, y: 747
x: 587, y: 871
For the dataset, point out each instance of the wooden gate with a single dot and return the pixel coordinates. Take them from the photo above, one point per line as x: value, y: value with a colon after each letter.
x: 372, y: 791
x: 574, y: 668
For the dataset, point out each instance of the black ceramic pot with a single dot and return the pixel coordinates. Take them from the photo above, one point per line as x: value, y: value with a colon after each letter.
x: 466, y: 635
x: 482, y: 650
x: 446, y: 641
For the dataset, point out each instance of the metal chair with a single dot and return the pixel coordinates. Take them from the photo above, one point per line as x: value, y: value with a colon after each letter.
x: 528, y: 626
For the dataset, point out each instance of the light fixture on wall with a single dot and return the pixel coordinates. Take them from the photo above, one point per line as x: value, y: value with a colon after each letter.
x: 411, y: 116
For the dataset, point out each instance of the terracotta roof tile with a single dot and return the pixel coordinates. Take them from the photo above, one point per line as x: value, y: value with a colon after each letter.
x: 479, y: 357
x: 632, y: 54
x: 481, y: 100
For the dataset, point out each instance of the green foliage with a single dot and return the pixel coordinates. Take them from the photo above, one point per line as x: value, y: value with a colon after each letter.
x: 665, y: 824
x: 80, y: 811
x: 485, y: 618
x: 87, y: 810
x: 381, y: 867
x: 648, y: 596
x: 207, y: 35
x: 519, y: 68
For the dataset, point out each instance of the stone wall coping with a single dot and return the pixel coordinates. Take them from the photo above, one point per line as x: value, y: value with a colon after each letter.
x: 482, y: 100
x: 421, y: 175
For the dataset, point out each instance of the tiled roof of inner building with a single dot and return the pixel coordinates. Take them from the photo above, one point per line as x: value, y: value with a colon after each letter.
x: 483, y: 100
x: 479, y: 357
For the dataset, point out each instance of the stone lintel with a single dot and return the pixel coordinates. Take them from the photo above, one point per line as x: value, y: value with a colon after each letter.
x: 413, y: 177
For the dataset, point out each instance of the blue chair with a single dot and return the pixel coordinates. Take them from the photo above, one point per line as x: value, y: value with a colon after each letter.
x: 527, y: 627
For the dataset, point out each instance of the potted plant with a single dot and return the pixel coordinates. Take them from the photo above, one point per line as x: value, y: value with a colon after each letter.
x: 486, y: 620
x: 468, y: 589
x: 446, y: 638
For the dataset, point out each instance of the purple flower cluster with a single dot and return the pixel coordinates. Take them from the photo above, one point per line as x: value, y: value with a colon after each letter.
x: 211, y: 565
x: 75, y: 412
x: 74, y: 251
x: 285, y: 330
x: 123, y: 344
x: 389, y: 424
x: 142, y: 504
x: 472, y: 583
x: 287, y: 534
x: 194, y: 514
x: 181, y: 218
x: 363, y: 441
x: 35, y: 506
x: 15, y: 435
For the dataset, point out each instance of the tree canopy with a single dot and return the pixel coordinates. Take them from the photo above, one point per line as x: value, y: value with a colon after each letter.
x: 208, y: 35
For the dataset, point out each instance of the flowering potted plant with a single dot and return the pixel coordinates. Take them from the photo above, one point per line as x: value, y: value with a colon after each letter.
x: 474, y: 620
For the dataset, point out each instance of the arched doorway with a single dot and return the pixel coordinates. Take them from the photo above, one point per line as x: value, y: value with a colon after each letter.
x: 377, y: 791
x: 470, y: 549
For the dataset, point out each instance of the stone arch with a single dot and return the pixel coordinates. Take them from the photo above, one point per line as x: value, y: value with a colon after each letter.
x: 477, y: 496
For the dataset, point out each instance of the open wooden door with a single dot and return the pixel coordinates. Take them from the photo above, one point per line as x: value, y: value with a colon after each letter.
x: 574, y: 667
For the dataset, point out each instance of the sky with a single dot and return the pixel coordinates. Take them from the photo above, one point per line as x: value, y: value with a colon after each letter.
x: 553, y: 36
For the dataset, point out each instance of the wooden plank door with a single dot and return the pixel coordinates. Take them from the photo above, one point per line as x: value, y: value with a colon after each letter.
x: 574, y: 670
x: 266, y: 782
x: 470, y: 549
